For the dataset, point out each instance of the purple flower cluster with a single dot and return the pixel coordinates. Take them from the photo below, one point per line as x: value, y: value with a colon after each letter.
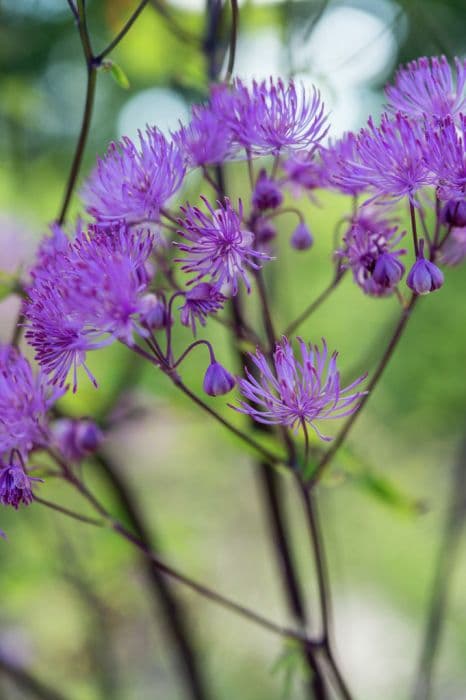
x: 132, y: 183
x: 91, y: 295
x: 294, y: 392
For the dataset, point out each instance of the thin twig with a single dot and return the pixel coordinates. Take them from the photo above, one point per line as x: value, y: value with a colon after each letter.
x: 29, y: 683
x: 122, y: 33
x: 233, y: 39
x: 313, y: 306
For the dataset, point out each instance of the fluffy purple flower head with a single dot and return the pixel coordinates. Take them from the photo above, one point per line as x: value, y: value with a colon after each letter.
x: 206, y: 140
x: 200, y: 302
x: 271, y: 116
x: 132, y: 182
x: 297, y: 391
x: 429, y: 88
x: 267, y: 193
x: 390, y: 160
x: 25, y: 399
x: 424, y: 276
x: 335, y: 158
x: 77, y: 438
x: 367, y: 239
x: 89, y: 298
x: 217, y: 380
x: 15, y: 485
x: 303, y: 172
x: 445, y: 152
x: 217, y: 245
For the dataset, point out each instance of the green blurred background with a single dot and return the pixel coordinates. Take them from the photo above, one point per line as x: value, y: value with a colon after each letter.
x: 75, y: 603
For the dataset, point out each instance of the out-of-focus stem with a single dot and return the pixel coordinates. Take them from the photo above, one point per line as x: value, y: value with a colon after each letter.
x: 28, y: 682
x: 340, y: 438
x: 233, y: 39
x: 313, y: 306
x: 122, y: 33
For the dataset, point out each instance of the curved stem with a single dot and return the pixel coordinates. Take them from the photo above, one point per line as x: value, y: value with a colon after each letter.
x: 340, y: 438
x: 313, y: 306
x: 87, y: 113
x: 122, y: 33
x: 29, y: 683
x: 233, y: 39
x: 193, y: 345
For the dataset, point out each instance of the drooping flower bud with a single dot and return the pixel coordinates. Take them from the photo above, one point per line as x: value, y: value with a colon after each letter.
x: 454, y: 214
x: 388, y: 270
x: 267, y: 194
x: 15, y: 485
x: 154, y: 312
x: 77, y: 439
x: 302, y: 238
x: 265, y: 231
x: 217, y: 380
x: 424, y: 276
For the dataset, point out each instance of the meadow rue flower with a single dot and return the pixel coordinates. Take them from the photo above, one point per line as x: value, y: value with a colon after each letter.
x: 217, y: 380
x: 335, y: 157
x: 303, y: 172
x: 264, y: 231
x: 132, y: 182
x: 390, y: 160
x: 454, y: 213
x: 267, y: 193
x: 295, y: 391
x: 77, y: 438
x: 15, y: 485
x: 445, y: 152
x: 388, y: 270
x: 429, y: 88
x: 271, y: 116
x: 199, y: 302
x: 217, y: 245
x: 367, y: 239
x: 25, y: 399
x: 154, y: 312
x: 91, y: 296
x: 301, y: 238
x: 206, y: 140
x: 424, y: 276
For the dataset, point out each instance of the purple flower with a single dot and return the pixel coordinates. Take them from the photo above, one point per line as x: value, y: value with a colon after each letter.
x: 454, y: 214
x: 388, y: 271
x: 270, y: 117
x: 264, y: 231
x: 77, y: 438
x: 90, y: 297
x: 15, y: 485
x: 294, y: 392
x: 428, y: 89
x: 335, y: 158
x: 131, y: 183
x: 267, y: 194
x: 367, y: 239
x: 217, y: 380
x: 390, y: 160
x: 199, y: 302
x: 454, y: 250
x: 301, y: 238
x: 218, y: 246
x: 154, y: 312
x: 206, y: 140
x: 304, y: 172
x: 424, y: 276
x: 25, y: 399
x: 445, y: 152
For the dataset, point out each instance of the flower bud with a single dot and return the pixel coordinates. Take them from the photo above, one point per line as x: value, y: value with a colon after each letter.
x: 154, y: 312
x: 77, y: 438
x: 454, y: 213
x: 424, y: 276
x: 265, y: 231
x: 302, y: 238
x: 217, y: 380
x: 267, y: 194
x: 388, y: 270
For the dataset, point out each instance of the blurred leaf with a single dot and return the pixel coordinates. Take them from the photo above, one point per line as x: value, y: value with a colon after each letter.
x: 290, y: 664
x: 377, y: 484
